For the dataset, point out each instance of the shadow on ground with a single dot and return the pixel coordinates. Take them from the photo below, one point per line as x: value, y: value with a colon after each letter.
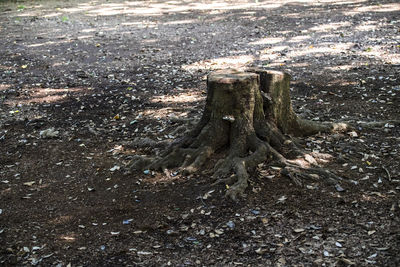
x: 105, y: 73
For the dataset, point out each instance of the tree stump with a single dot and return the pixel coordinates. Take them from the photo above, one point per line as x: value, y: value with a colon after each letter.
x: 275, y: 88
x: 247, y: 115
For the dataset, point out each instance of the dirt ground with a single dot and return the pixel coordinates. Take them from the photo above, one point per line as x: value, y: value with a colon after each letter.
x: 82, y: 83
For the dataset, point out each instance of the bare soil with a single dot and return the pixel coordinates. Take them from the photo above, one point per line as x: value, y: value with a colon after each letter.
x: 103, y: 75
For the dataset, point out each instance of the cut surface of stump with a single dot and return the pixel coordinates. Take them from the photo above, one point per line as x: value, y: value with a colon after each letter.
x: 247, y: 115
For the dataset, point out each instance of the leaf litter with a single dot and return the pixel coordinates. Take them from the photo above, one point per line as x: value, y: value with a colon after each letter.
x: 99, y: 90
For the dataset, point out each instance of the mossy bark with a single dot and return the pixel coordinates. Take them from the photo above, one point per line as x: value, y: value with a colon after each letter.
x: 249, y: 114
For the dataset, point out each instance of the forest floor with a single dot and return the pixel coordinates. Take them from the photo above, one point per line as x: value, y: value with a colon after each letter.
x: 85, y: 85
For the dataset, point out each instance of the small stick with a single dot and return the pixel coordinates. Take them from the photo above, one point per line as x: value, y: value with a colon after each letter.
x: 388, y: 173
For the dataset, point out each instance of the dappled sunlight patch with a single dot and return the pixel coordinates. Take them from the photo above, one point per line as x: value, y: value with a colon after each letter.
x: 299, y: 39
x: 340, y: 67
x: 236, y: 62
x: 341, y: 2
x: 273, y: 54
x: 278, y: 48
x: 43, y: 95
x: 269, y: 57
x: 79, y: 8
x: 300, y: 65
x: 88, y: 30
x: 141, y: 24
x: 330, y: 26
x: 321, y: 49
x: 268, y: 41
x: 118, y: 10
x: 3, y: 67
x: 178, y: 22
x: 82, y: 37
x: 143, y: 100
x: 158, y: 8
x: 52, y: 15
x: 164, y: 113
x: 377, y: 52
x: 392, y: 7
x: 4, y: 87
x: 150, y: 41
x: 276, y: 64
x: 70, y: 238
x: 367, y: 26
x: 342, y: 82
x: 137, y: 24
x: 58, y: 42
x: 188, y: 97
x: 169, y: 176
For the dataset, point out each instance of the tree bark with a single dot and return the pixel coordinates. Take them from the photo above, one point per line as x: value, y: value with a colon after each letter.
x: 275, y: 87
x: 248, y: 115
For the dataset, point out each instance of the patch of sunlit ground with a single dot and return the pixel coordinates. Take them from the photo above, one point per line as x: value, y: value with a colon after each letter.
x: 271, y: 55
x: 236, y: 62
x: 43, y: 95
x: 268, y: 41
x: 182, y: 98
x: 4, y: 87
x: 68, y: 238
x: 392, y: 7
x: 158, y: 178
x: 58, y: 42
x: 161, y: 113
x: 327, y: 27
x: 174, y: 105
x: 341, y: 67
x: 158, y: 8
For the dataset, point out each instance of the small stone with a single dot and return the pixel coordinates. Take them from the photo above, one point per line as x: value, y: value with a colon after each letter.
x: 144, y: 253
x: 49, y: 133
x: 339, y: 188
x: 255, y: 212
x: 115, y: 168
x: 353, y: 134
x: 373, y: 256
x: 219, y: 231
x: 261, y: 251
x: 371, y: 232
x: 230, y: 224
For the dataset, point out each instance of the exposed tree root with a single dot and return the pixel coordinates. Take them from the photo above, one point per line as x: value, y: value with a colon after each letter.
x: 308, y: 127
x: 247, y: 115
x: 376, y: 124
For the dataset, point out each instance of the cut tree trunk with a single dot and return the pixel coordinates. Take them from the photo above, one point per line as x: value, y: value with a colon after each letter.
x: 248, y: 115
x: 275, y: 88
